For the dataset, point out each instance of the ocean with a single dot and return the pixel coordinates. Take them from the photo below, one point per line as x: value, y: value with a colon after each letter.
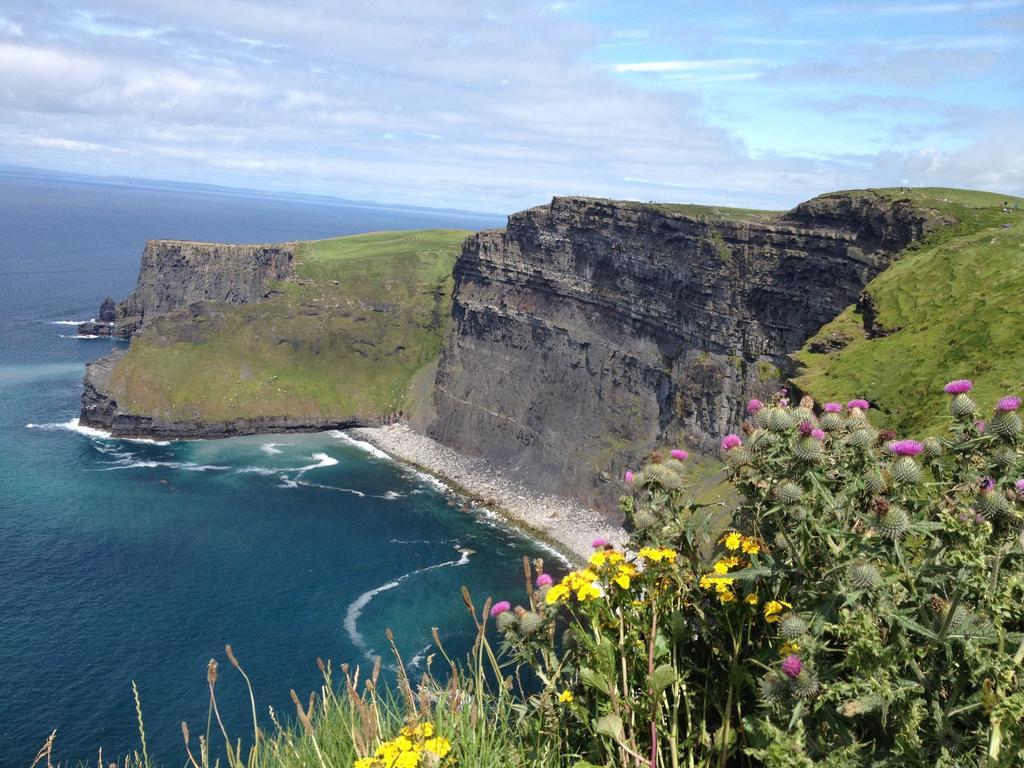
x: 127, y: 561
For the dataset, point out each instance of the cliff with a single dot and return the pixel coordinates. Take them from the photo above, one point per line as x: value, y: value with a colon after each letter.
x: 176, y: 273
x: 589, y: 331
x: 229, y: 348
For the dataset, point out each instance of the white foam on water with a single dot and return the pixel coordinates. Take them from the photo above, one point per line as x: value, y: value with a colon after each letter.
x: 334, y: 488
x: 257, y: 471
x: 357, y: 606
x: 80, y: 336
x: 391, y: 495
x: 287, y: 482
x: 271, y: 449
x: 420, y: 656
x: 72, y: 425
x: 71, y: 322
x: 188, y: 466
x: 321, y: 459
x: 360, y: 444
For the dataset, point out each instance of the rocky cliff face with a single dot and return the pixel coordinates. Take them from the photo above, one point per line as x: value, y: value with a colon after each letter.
x: 589, y: 331
x: 177, y: 273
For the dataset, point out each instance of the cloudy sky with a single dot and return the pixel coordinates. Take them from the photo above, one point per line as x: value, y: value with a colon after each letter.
x: 499, y: 105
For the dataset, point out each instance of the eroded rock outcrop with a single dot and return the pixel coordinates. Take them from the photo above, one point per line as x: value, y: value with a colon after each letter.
x: 176, y: 273
x: 588, y: 331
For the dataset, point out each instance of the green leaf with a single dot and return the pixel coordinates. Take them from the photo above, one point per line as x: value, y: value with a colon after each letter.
x: 913, y: 626
x: 661, y: 678
x: 611, y: 726
x: 595, y: 680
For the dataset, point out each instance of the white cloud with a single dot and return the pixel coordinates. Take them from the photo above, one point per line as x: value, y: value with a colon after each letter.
x: 693, y: 65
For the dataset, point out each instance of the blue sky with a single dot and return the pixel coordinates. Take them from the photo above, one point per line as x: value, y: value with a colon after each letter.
x: 500, y: 105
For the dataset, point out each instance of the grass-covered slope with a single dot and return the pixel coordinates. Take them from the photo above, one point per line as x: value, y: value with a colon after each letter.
x: 951, y: 307
x: 345, y: 339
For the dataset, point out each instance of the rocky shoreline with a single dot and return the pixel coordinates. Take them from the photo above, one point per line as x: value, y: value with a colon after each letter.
x: 564, y: 523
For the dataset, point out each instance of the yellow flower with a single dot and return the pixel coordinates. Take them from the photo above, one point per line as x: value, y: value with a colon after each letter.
x: 723, y: 585
x: 565, y: 697
x: 439, y: 745
x: 365, y: 762
x: 789, y: 648
x: 733, y: 540
x: 773, y: 608
x: 622, y: 579
x: 721, y: 567
x: 750, y: 546
x: 751, y: 599
x: 588, y: 592
x: 726, y: 595
x: 656, y: 555
x: 556, y: 593
x: 407, y: 760
x: 706, y: 581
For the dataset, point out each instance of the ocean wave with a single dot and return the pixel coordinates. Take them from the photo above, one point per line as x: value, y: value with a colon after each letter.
x: 257, y: 471
x: 321, y: 459
x: 353, y: 491
x: 81, y: 336
x: 357, y: 606
x: 271, y: 449
x: 70, y: 322
x: 360, y: 444
x: 188, y: 466
x: 72, y: 425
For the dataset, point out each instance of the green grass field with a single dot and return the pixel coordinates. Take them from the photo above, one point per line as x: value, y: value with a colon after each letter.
x: 347, y: 338
x: 951, y: 308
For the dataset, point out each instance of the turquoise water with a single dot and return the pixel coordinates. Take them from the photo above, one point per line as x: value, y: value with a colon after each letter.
x: 124, y: 561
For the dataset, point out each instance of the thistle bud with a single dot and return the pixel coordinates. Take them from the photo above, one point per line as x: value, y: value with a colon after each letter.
x: 962, y: 407
x: 894, y: 523
x: 905, y: 471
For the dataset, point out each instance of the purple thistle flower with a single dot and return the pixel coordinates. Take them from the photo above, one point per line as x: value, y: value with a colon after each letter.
x: 599, y: 543
x: 958, y: 386
x: 833, y: 408
x: 818, y: 434
x: 792, y: 666
x: 500, y: 607
x: 1008, y: 403
x: 1019, y: 485
x: 731, y: 441
x: 980, y: 425
x: 628, y: 477
x: 806, y: 427
x: 987, y: 484
x: 906, y: 447
x: 862, y: 404
x: 754, y: 405
x: 679, y: 453
x: 544, y: 580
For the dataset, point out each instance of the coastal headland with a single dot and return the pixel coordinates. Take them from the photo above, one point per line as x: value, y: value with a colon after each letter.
x: 548, y: 356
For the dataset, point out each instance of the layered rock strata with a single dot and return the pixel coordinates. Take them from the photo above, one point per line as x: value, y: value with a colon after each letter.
x: 176, y: 273
x: 589, y: 331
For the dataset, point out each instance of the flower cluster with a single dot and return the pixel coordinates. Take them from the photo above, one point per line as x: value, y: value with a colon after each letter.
x: 416, y: 746
x: 720, y: 579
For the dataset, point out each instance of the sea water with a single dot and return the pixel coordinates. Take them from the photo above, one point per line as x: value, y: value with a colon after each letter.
x: 127, y: 561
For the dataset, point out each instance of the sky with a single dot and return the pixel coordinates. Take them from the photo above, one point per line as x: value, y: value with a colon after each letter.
x: 497, y: 106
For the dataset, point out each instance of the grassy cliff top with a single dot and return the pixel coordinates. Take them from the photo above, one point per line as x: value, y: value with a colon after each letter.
x: 347, y: 338
x: 950, y: 308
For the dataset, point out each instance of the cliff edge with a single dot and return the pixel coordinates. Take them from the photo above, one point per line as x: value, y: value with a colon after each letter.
x: 589, y: 331
x: 176, y: 273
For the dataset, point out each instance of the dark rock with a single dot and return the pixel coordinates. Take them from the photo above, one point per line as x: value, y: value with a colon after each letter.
x: 100, y: 410
x: 588, y: 331
x: 108, y: 311
x: 177, y: 273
